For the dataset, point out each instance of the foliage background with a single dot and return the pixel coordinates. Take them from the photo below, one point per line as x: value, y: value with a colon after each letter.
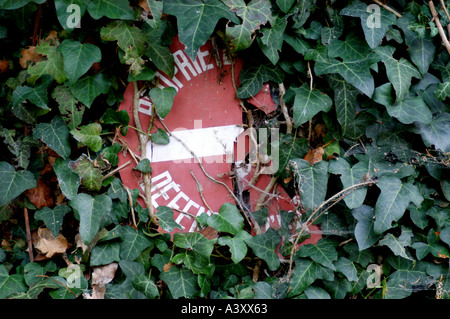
x: 361, y: 109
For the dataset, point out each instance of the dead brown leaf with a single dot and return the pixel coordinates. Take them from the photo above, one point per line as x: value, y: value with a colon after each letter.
x: 4, y: 66
x: 101, y: 276
x: 167, y: 266
x: 49, y: 245
x: 144, y: 5
x: 209, y: 232
x: 29, y: 55
x: 314, y: 155
x: 41, y: 195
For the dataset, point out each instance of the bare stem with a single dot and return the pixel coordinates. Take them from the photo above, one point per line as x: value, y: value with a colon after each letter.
x: 439, y: 26
x: 387, y: 8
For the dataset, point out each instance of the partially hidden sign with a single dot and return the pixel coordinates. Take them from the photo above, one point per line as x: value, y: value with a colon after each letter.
x: 205, y: 122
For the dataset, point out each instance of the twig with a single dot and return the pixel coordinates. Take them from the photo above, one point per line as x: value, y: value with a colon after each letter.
x: 200, y: 190
x: 27, y: 227
x: 284, y: 109
x: 117, y: 169
x: 130, y: 199
x: 439, y: 25
x: 388, y: 8
x: 335, y: 198
x: 445, y: 10
x: 59, y: 282
x: 143, y: 141
x: 261, y: 199
x: 36, y: 25
x: 310, y: 88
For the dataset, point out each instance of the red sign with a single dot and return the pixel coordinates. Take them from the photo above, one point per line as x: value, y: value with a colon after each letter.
x: 207, y: 118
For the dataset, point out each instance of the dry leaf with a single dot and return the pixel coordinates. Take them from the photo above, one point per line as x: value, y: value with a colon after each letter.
x: 80, y: 243
x: 101, y: 276
x: 49, y: 245
x: 314, y: 155
x: 144, y: 5
x: 167, y: 266
x: 29, y: 55
x: 41, y: 195
x: 4, y: 66
x: 209, y: 232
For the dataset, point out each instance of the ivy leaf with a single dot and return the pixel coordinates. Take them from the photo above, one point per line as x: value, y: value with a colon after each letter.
x: 285, y: 5
x: 290, y: 149
x: 228, y: 220
x: 116, y: 191
x: 308, y: 103
x: 312, y: 181
x: 144, y: 166
x: 160, y: 137
x: 272, y: 39
x: 195, y: 241
x: 55, y: 134
x: 305, y: 273
x: 347, y: 267
x: 78, y: 58
x: 52, y: 218
x: 351, y: 176
x: 264, y: 245
x: 10, y: 284
x: 399, y: 72
x: 253, y: 15
x: 323, y: 252
x: 13, y: 183
x: 64, y: 15
x: 113, y: 9
x: 54, y: 65
x: 166, y: 220
x: 432, y: 246
x: 237, y: 245
x: 145, y: 285
x: 394, y: 199
x: 89, y: 135
x: 36, y: 95
x: 89, y: 87
x: 442, y: 91
x: 69, y: 107
x: 253, y: 77
x: 373, y: 33
x: 134, y: 242
x: 181, y: 282
x: 91, y: 176
x: 125, y: 35
x: 105, y: 254
x: 163, y: 99
x: 68, y: 180
x: 398, y: 245
x: 156, y: 51
x: 196, y: 21
x: 92, y: 211
x: 364, y: 233
x: 437, y: 132
x: 410, y: 109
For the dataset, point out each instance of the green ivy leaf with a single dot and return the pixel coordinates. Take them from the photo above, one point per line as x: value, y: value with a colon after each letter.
x: 69, y: 107
x: 373, y: 33
x: 105, y: 254
x: 308, y: 103
x: 398, y: 245
x: 196, y: 21
x: 16, y: 4
x: 410, y: 109
x: 181, y: 282
x: 157, y: 51
x: 351, y: 176
x: 52, y: 218
x: 312, y: 181
x: 253, y: 77
x: 125, y: 35
x: 160, y: 137
x: 91, y: 176
x: 134, y: 242
x: 347, y: 267
x: 305, y: 273
x: 195, y: 241
x: 264, y: 245
x: 237, y: 245
x: 116, y: 191
x: 64, y: 15
x: 89, y: 135
x: 394, y: 199
x: 89, y: 87
x: 163, y: 99
x: 55, y: 134
x: 166, y: 220
x: 437, y: 132
x: 432, y: 246
x: 13, y: 183
x: 10, y: 284
x: 442, y: 91
x: 54, y: 65
x: 285, y: 5
x: 92, y: 211
x: 36, y: 95
x: 68, y: 180
x: 272, y: 40
x: 323, y: 252
x: 364, y: 233
x: 78, y: 58
x: 290, y: 149
x: 113, y: 9
x: 228, y: 220
x: 145, y: 285
x: 399, y: 72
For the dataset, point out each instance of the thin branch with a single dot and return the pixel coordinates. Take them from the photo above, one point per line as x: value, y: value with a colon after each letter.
x: 200, y: 190
x: 262, y: 198
x: 284, y: 109
x: 114, y: 171
x: 27, y: 227
x: 387, y: 8
x: 130, y: 199
x: 445, y: 10
x: 334, y: 200
x: 439, y: 25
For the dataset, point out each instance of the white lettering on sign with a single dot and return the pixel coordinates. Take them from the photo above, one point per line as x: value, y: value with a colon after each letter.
x: 187, y: 68
x: 165, y: 191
